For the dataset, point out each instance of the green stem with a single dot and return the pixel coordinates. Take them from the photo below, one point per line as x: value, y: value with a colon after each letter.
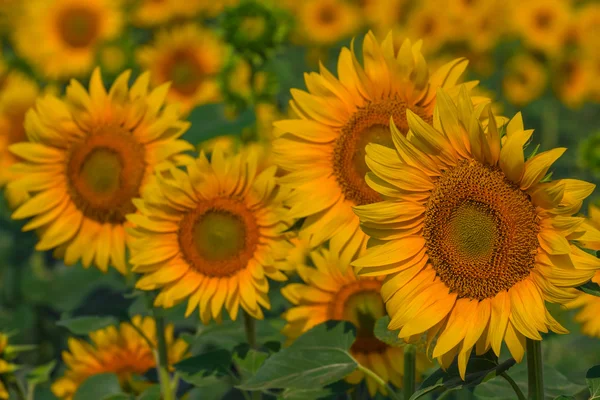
x: 391, y: 393
x: 163, y: 358
x: 535, y: 370
x: 250, y: 327
x: 30, y: 391
x: 410, y: 374
x: 514, y: 385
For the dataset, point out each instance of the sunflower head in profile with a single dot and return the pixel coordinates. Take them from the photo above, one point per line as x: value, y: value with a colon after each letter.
x: 122, y: 350
x: 325, y: 22
x: 17, y: 94
x: 543, y: 24
x: 88, y: 156
x: 331, y: 291
x: 217, y: 235
x: 61, y: 37
x: 188, y: 56
x: 323, y: 150
x: 525, y: 79
x: 473, y: 238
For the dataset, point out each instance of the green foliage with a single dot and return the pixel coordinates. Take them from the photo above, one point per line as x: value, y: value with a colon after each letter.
x: 40, y: 374
x: 592, y: 378
x: 215, y: 362
x: 85, y: 325
x: 317, y: 358
x: 385, y: 335
x: 101, y: 387
x: 590, y: 288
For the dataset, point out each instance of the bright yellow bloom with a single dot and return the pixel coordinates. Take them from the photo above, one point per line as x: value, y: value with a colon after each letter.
x: 324, y: 149
x: 472, y: 241
x: 331, y: 291
x: 543, y: 24
x: 325, y: 22
x: 121, y: 350
x: 216, y: 234
x: 17, y: 94
x: 61, y: 37
x: 88, y: 156
x: 525, y: 79
x: 190, y: 58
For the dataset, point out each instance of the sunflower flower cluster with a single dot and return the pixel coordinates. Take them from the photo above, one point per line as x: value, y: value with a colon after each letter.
x: 295, y: 199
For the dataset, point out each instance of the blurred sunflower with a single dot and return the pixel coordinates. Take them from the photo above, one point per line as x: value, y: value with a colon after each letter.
x: 17, y: 94
x: 471, y: 240
x: 331, y: 291
x: 188, y: 56
x: 87, y: 158
x: 573, y: 79
x: 121, y: 350
x: 481, y: 27
x: 325, y: 22
x: 587, y: 27
x: 430, y: 23
x: 61, y: 37
x: 542, y: 23
x: 525, y: 79
x: 5, y: 366
x: 389, y: 14
x: 324, y: 149
x: 216, y: 232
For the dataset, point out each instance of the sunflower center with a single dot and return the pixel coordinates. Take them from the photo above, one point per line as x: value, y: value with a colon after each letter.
x: 78, y: 26
x: 361, y: 304
x: 480, y: 231
x: 219, y: 237
x: 185, y: 72
x: 253, y: 27
x: 370, y: 124
x: 543, y: 19
x: 327, y: 15
x: 104, y: 173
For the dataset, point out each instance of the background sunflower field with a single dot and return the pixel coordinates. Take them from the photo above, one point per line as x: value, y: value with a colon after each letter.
x: 70, y: 330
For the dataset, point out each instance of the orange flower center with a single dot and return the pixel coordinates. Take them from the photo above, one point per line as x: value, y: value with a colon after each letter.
x: 105, y: 171
x: 185, y: 71
x: 370, y: 124
x: 78, y: 26
x: 361, y: 304
x: 219, y: 237
x: 480, y: 231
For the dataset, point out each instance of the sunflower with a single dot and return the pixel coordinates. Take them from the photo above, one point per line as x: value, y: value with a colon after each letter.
x: 217, y: 235
x: 472, y: 238
x: 17, y: 94
x: 61, y: 37
x: 325, y: 22
x: 332, y: 291
x: 190, y: 57
x: 87, y: 158
x: 430, y: 23
x: 5, y: 366
x: 152, y: 12
x: 542, y: 23
x: 480, y: 25
x: 525, y: 79
x: 587, y: 27
x: 121, y: 350
x: 323, y: 150
x: 574, y: 79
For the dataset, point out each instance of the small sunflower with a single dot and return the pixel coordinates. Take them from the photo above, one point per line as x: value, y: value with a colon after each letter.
x: 331, y: 291
x: 473, y: 239
x: 587, y: 27
x: 152, y: 12
x: 525, y: 79
x: 573, y: 79
x: 480, y: 26
x: 323, y: 150
x: 17, y: 94
x: 61, y: 37
x: 325, y: 22
x: 188, y: 56
x: 88, y: 157
x: 430, y: 23
x: 5, y: 366
x: 217, y: 235
x: 121, y: 350
x: 543, y: 24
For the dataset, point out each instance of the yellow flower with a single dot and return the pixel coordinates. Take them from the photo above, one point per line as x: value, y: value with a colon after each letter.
x: 88, y: 157
x: 389, y: 14
x: 324, y: 149
x: 325, y: 22
x: 542, y: 23
x: 229, y: 144
x: 17, y: 94
x: 61, y: 37
x: 481, y: 24
x: 574, y: 79
x: 431, y: 23
x: 331, y: 291
x: 190, y: 57
x: 121, y: 350
x: 524, y: 80
x: 471, y: 240
x: 586, y: 27
x: 5, y: 366
x: 216, y: 234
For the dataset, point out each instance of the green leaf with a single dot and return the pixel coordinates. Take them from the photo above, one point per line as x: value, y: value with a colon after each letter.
x: 590, y: 288
x: 250, y: 362
x: 305, y: 394
x: 41, y: 373
x: 194, y: 369
x: 385, y: 335
x: 563, y: 397
x: 98, y: 387
x: 210, y: 120
x: 118, y: 396
x: 317, y: 358
x: 592, y: 378
x: 85, y: 325
x: 479, y: 369
x: 151, y: 393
